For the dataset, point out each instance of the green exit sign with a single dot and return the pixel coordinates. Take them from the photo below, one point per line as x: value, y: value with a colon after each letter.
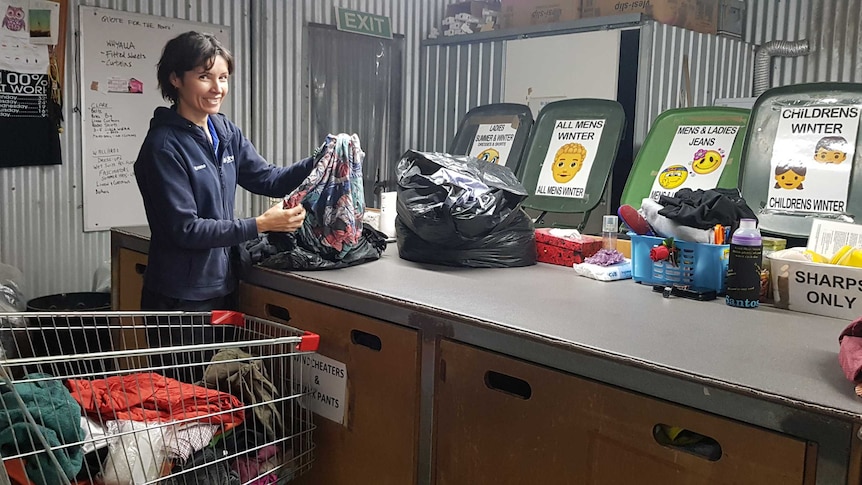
x: 363, y: 23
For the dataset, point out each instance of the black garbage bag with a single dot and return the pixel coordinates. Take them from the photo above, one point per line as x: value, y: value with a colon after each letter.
x: 461, y: 211
x: 292, y: 251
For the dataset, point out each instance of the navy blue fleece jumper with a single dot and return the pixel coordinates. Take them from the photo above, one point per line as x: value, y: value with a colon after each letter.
x: 189, y: 190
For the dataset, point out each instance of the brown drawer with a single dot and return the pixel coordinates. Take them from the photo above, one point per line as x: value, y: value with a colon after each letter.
x: 131, y: 279
x: 379, y: 442
x: 500, y: 420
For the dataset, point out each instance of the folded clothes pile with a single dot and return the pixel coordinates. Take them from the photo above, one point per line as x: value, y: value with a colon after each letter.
x: 689, y: 215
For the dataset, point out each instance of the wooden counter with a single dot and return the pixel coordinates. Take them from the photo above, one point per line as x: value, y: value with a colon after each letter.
x: 617, y: 357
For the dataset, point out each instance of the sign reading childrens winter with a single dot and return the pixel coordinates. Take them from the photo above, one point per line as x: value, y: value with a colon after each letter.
x: 571, y: 152
x: 493, y: 142
x: 812, y: 159
x: 695, y: 160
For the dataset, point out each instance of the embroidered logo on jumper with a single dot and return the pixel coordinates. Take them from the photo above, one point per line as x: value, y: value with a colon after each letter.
x: 227, y: 159
x: 200, y: 167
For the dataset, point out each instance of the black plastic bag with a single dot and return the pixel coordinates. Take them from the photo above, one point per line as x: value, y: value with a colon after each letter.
x: 461, y: 211
x: 291, y: 251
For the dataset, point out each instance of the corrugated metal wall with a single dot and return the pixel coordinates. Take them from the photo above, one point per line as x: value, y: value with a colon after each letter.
x: 455, y: 78
x: 41, y: 208
x: 833, y: 28
x: 281, y: 110
x: 717, y: 67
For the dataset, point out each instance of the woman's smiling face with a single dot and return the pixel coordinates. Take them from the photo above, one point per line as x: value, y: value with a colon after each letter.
x: 201, y: 91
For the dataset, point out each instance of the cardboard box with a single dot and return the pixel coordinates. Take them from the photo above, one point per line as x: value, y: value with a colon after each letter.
x: 473, y: 8
x: 525, y: 13
x: 697, y: 15
x: 558, y: 246
x: 821, y: 289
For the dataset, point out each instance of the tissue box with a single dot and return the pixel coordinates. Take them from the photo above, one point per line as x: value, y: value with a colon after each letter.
x: 565, y: 247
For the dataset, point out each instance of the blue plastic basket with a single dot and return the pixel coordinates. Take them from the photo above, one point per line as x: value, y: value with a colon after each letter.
x: 699, y: 264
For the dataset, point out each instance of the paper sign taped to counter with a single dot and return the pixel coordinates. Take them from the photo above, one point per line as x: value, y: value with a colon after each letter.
x: 325, y: 381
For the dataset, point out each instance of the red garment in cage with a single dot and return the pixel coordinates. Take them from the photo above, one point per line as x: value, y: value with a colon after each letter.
x: 153, y: 397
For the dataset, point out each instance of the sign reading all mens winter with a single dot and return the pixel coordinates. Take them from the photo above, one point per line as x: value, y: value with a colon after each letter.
x: 570, y: 157
x: 812, y: 158
x: 493, y: 142
x: 695, y: 160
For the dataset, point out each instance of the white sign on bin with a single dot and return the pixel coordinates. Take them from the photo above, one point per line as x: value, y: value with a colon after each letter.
x: 325, y: 380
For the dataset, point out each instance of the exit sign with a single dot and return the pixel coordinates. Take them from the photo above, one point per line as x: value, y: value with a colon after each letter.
x: 363, y: 23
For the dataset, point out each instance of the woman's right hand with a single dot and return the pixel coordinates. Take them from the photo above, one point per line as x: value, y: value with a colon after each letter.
x: 279, y: 219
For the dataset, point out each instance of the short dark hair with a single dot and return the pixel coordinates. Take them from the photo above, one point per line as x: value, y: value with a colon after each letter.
x: 831, y: 143
x: 186, y: 52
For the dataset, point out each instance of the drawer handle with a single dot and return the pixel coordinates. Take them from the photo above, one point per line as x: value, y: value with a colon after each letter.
x: 687, y: 441
x: 508, y: 385
x: 278, y: 312
x: 366, y: 339
x: 140, y: 268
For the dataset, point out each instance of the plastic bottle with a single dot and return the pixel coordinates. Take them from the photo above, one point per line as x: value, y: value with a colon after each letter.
x: 610, y: 226
x: 743, y: 268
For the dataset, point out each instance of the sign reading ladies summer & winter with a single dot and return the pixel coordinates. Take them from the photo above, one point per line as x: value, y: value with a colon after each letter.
x: 493, y: 142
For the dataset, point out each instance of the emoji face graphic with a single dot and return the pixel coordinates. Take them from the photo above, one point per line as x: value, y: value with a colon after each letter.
x: 831, y: 149
x: 706, y: 161
x: 489, y: 155
x: 672, y: 177
x: 830, y: 156
x: 568, y: 162
x: 789, y: 177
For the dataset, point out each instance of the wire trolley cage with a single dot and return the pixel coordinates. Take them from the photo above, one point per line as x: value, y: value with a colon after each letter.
x: 178, y: 398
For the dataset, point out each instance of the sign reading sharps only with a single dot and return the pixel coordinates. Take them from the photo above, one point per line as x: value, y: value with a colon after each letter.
x: 570, y: 157
x: 812, y: 158
x: 493, y: 142
x: 325, y: 381
x: 695, y: 160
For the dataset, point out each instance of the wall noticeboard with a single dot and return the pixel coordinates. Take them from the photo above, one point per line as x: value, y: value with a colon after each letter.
x: 119, y: 91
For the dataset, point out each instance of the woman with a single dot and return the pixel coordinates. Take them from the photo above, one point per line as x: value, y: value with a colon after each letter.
x: 188, y: 169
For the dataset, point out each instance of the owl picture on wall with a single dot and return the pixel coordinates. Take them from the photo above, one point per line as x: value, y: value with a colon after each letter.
x: 13, y: 19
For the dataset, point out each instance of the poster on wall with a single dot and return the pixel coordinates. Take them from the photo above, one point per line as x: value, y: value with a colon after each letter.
x: 119, y: 92
x: 493, y: 142
x: 30, y: 109
x: 695, y: 160
x: 569, y: 160
x: 812, y: 159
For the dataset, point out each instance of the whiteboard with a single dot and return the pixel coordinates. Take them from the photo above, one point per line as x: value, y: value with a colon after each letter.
x: 544, y: 69
x: 119, y: 91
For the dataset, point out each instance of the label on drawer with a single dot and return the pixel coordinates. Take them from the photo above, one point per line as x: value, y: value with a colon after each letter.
x: 325, y: 381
